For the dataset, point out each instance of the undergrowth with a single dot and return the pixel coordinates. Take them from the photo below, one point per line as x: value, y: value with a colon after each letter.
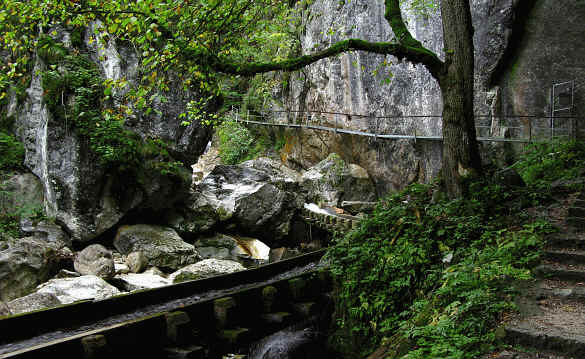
x: 237, y: 143
x: 432, y: 278
x: 544, y: 163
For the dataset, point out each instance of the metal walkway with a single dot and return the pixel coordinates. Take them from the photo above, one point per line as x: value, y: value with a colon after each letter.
x: 308, y: 119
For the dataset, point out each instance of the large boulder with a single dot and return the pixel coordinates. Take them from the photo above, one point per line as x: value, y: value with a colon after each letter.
x: 33, y: 301
x: 241, y: 249
x: 162, y: 246
x: 259, y: 197
x: 69, y: 290
x: 95, y: 260
x: 333, y: 181
x: 205, y: 268
x: 24, y: 264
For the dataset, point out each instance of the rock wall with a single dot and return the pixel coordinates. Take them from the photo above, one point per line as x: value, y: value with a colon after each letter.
x: 84, y: 196
x: 354, y: 82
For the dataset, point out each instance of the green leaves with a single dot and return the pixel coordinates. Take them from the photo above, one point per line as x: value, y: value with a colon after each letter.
x: 392, y: 281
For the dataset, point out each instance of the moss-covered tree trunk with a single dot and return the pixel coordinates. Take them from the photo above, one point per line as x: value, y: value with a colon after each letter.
x: 461, y: 157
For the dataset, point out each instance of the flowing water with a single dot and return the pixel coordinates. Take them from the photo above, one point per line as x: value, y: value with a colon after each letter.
x: 292, y: 343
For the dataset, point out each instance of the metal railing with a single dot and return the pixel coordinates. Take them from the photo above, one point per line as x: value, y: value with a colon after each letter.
x: 521, y: 129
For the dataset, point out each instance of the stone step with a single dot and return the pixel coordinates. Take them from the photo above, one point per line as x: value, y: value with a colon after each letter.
x: 559, y: 289
x: 549, y: 324
x: 188, y: 352
x: 557, y: 341
x: 529, y: 354
x: 566, y: 241
x: 577, y: 211
x: 565, y: 256
x: 560, y: 271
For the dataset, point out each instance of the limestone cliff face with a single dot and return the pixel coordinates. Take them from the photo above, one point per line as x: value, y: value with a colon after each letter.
x: 83, y: 196
x: 354, y: 82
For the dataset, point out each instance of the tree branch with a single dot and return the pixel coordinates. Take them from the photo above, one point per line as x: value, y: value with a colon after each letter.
x: 394, y: 17
x: 412, y: 54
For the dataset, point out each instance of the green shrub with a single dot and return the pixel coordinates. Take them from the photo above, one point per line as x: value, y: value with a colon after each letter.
x: 238, y: 144
x: 543, y: 163
x: 391, y: 279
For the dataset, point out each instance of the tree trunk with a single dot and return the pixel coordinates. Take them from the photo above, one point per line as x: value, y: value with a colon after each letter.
x: 461, y: 157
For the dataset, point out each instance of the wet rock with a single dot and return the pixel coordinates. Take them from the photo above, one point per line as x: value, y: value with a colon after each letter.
x: 332, y: 181
x: 206, y: 268
x: 33, y: 301
x: 95, y: 260
x: 69, y: 290
x: 162, y: 246
x: 137, y: 262
x: 136, y: 281
x: 24, y: 264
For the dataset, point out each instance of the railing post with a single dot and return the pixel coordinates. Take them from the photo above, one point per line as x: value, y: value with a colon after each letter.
x: 376, y: 129
x: 336, y: 116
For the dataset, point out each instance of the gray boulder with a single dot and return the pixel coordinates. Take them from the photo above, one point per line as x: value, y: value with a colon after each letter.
x: 162, y: 246
x: 240, y: 249
x: 137, y: 262
x: 69, y: 290
x: 24, y: 264
x: 33, y: 301
x: 332, y: 182
x: 259, y: 197
x: 95, y: 260
x: 206, y: 268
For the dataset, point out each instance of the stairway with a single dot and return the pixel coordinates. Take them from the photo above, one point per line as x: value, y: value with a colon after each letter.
x: 552, y: 321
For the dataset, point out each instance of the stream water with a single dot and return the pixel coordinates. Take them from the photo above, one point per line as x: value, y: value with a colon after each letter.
x: 148, y: 310
x: 296, y: 342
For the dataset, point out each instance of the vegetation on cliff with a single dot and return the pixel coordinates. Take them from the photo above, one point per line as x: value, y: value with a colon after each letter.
x: 431, y: 277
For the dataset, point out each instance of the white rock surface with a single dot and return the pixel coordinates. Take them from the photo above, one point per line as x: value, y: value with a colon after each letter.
x: 69, y: 290
x: 206, y: 268
x: 136, y: 281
